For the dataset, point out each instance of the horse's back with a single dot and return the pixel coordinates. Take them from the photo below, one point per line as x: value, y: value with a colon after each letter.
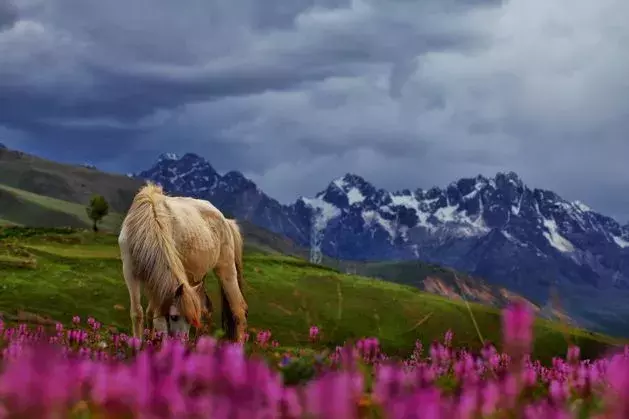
x: 197, y: 232
x: 193, y: 214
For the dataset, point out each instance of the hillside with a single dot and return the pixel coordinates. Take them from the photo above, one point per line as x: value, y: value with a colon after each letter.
x: 26, y: 208
x: 451, y: 284
x: 52, y: 275
x: 66, y: 182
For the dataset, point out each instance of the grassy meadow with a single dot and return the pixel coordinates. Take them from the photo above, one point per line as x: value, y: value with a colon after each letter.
x: 52, y: 274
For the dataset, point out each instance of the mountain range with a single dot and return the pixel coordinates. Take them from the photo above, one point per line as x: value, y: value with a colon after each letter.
x: 40, y: 193
x: 481, y: 232
x: 528, y: 240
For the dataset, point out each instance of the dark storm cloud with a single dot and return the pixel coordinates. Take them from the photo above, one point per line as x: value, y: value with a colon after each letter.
x: 8, y: 15
x: 405, y: 93
x: 130, y: 77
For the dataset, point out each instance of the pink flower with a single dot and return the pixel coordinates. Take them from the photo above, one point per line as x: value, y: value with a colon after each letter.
x: 447, y: 339
x: 517, y: 329
x: 573, y: 355
x: 263, y: 337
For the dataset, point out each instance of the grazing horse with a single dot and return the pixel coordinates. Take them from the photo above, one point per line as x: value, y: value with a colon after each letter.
x: 167, y: 245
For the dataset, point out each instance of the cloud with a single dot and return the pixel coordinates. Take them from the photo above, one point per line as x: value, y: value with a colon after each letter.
x: 8, y: 15
x: 408, y: 94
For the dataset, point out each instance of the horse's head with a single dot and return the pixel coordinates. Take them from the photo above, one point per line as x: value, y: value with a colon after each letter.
x: 176, y: 323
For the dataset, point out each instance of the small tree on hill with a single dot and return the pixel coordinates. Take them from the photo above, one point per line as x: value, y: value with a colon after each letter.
x: 97, y: 210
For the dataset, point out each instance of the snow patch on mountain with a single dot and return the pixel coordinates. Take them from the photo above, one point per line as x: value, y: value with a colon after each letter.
x: 372, y: 217
x: 621, y: 242
x: 355, y: 196
x: 555, y: 239
x: 412, y: 203
x: 168, y: 157
x: 581, y: 206
x: 324, y: 212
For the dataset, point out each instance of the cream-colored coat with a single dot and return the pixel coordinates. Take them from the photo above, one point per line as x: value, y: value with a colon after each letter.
x: 167, y: 245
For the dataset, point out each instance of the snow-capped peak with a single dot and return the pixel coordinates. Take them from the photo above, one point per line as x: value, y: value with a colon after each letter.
x: 168, y: 157
x: 350, y: 180
x: 347, y: 191
x: 353, y: 186
x: 581, y: 206
x: 189, y: 175
x: 469, y: 207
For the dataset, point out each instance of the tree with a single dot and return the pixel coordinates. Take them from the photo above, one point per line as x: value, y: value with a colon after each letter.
x: 97, y: 210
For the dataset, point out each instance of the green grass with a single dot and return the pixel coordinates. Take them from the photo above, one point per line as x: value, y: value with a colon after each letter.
x: 80, y: 273
x: 33, y: 209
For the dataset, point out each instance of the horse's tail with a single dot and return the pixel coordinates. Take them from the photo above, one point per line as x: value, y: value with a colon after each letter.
x: 154, y: 253
x: 238, y: 249
x: 227, y: 315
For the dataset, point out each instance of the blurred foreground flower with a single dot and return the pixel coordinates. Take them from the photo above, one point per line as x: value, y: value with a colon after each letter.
x: 517, y: 329
x: 96, y: 374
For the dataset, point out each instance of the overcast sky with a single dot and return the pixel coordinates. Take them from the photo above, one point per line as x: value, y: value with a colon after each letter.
x: 293, y: 93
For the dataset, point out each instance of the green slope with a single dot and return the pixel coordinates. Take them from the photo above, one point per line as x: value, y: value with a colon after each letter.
x: 63, y: 181
x: 27, y: 208
x: 66, y: 273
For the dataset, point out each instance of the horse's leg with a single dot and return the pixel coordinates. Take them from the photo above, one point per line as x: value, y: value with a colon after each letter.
x: 206, y: 302
x: 157, y: 324
x: 234, y: 307
x: 150, y: 318
x: 135, y: 305
x: 150, y: 314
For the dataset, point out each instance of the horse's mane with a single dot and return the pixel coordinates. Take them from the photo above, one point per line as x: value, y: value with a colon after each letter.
x: 156, y: 261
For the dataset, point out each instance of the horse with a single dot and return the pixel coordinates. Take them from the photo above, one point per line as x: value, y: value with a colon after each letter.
x: 167, y: 245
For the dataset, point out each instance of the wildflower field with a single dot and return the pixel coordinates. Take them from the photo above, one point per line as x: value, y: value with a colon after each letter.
x: 86, y: 372
x: 312, y: 350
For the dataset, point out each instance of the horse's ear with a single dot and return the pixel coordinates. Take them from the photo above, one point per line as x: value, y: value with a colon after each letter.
x: 179, y: 291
